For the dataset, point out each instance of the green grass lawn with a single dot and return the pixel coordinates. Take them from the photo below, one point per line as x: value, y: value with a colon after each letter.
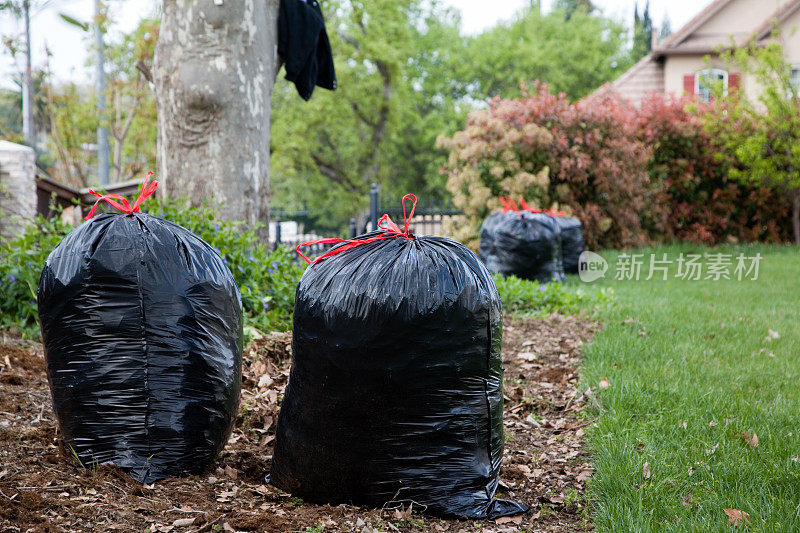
x: 690, y: 370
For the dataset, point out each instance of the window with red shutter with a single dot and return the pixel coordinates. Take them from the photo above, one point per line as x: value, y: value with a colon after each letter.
x: 688, y: 84
x: 705, y: 80
x: 733, y: 81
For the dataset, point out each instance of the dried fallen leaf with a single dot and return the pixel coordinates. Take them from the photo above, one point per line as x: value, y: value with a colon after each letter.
x: 751, y: 441
x: 737, y: 517
x: 532, y: 421
x: 183, y: 522
x: 584, y: 475
x: 509, y: 520
x: 712, y: 424
x: 264, y: 381
x: 527, y: 356
x: 231, y: 472
x: 604, y: 383
x: 646, y: 470
x: 687, y: 500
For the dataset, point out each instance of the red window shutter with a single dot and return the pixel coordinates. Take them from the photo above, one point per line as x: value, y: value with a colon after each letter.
x: 733, y: 81
x: 688, y: 84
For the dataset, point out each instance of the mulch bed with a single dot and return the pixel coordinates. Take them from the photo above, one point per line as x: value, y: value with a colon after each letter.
x: 42, y: 488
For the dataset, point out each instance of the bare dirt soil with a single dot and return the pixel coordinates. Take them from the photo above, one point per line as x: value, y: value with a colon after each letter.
x: 42, y: 488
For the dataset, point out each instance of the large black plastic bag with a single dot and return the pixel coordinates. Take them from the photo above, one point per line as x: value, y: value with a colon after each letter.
x: 523, y: 244
x: 395, y: 393
x: 572, y: 243
x: 142, y: 330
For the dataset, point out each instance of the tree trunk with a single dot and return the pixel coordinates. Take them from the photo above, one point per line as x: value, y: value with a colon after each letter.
x: 214, y: 69
x: 796, y: 215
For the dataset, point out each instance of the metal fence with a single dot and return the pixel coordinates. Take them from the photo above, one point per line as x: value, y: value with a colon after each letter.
x: 429, y: 216
x: 288, y: 228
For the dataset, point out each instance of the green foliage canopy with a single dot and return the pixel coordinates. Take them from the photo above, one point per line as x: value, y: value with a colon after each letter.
x: 407, y: 74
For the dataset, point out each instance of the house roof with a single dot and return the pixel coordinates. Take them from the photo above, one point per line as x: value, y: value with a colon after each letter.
x: 679, y: 43
x: 781, y: 14
x: 686, y: 30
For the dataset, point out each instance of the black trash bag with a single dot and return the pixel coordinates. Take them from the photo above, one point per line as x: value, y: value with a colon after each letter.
x: 142, y: 330
x: 572, y: 243
x: 395, y: 393
x: 523, y: 244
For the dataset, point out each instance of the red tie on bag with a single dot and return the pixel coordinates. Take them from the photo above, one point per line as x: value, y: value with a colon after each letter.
x: 147, y: 190
x: 391, y: 231
x: 510, y: 205
x: 526, y: 207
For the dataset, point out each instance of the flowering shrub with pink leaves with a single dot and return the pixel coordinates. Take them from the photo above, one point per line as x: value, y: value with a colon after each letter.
x: 633, y: 176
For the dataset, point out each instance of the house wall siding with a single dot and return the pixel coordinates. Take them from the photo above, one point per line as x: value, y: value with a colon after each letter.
x: 645, y: 78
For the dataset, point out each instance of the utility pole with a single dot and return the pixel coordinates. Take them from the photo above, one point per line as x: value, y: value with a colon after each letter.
x: 102, y: 130
x: 28, y: 126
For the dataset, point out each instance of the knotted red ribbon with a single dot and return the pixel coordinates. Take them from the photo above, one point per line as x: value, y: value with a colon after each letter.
x: 510, y: 205
x: 391, y: 231
x: 526, y: 207
x: 147, y: 190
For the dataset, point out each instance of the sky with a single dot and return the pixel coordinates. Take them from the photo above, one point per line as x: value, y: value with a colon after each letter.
x: 69, y: 46
x: 479, y: 14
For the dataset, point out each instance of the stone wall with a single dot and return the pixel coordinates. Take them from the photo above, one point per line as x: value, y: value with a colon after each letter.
x: 17, y: 187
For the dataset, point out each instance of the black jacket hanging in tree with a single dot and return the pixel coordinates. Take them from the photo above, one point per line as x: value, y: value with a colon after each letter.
x: 304, y: 46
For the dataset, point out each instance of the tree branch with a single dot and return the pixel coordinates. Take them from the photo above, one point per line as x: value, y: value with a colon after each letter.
x: 349, y: 40
x: 332, y: 173
x: 145, y: 69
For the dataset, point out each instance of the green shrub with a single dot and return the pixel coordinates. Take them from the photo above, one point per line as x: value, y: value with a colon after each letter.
x: 266, y: 279
x: 21, y: 262
x: 533, y: 298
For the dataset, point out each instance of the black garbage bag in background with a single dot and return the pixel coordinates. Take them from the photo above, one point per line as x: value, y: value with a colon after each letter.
x: 523, y: 244
x: 572, y: 243
x: 396, y: 388
x: 142, y: 330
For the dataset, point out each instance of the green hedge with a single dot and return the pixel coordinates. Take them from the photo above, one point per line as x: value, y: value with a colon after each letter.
x: 266, y: 279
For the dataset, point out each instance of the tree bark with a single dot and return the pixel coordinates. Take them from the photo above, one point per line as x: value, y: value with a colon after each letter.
x: 796, y: 215
x: 214, y: 70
